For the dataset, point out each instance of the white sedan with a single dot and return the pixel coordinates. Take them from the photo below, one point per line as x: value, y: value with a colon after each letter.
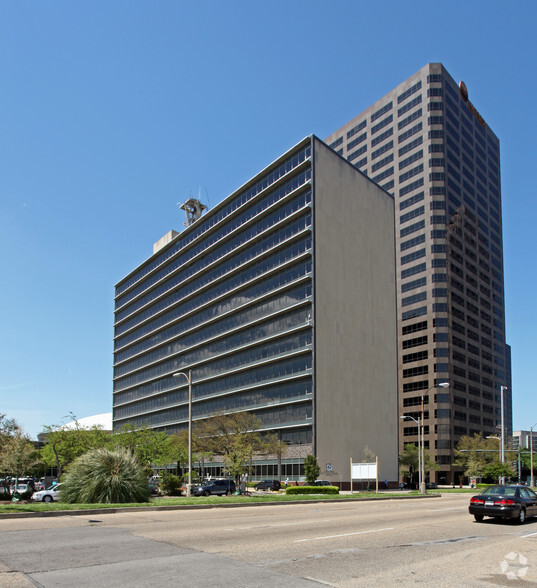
x: 48, y: 495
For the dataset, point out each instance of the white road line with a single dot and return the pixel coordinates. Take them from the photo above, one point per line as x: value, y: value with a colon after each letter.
x: 530, y: 535
x: 344, y: 535
x: 271, y: 526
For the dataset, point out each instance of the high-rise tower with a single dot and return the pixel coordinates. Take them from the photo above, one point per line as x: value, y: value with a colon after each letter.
x: 427, y: 144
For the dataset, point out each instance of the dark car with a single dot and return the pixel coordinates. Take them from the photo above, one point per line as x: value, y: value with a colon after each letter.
x: 504, y: 501
x: 216, y: 487
x: 322, y: 483
x: 268, y: 485
x: 431, y: 485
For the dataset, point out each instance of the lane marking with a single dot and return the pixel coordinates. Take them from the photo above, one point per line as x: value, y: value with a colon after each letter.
x: 343, y: 535
x: 530, y: 535
x: 274, y: 526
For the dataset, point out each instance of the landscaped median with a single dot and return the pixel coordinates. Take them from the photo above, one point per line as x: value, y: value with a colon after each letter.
x: 22, y: 509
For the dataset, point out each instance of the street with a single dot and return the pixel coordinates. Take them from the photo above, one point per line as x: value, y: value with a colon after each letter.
x: 430, y: 541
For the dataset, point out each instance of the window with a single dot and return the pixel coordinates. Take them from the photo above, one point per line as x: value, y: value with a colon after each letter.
x: 381, y: 137
x: 418, y: 356
x: 382, y: 162
x: 385, y: 174
x: 412, y: 228
x: 356, y: 129
x: 410, y: 187
x: 357, y: 153
x: 383, y: 123
x: 336, y: 143
x: 411, y: 118
x: 412, y: 256
x: 412, y: 200
x: 413, y: 284
x: 409, y: 105
x: 411, y: 159
x: 381, y: 111
x: 412, y: 271
x: 421, y: 326
x: 411, y: 173
x: 407, y: 134
x: 415, y: 312
x: 409, y: 146
x: 412, y: 214
x: 413, y: 89
x: 356, y: 141
x: 382, y: 150
x: 412, y: 242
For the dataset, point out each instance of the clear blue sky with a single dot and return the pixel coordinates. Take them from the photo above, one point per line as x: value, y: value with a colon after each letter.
x: 112, y: 112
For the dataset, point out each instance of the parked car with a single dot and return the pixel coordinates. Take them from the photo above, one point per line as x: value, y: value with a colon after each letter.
x: 268, y: 485
x: 322, y: 483
x: 23, y: 490
x: 49, y: 495
x: 431, y: 485
x: 215, y: 487
x: 504, y: 501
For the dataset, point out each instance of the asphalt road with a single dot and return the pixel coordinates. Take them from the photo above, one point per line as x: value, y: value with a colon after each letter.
x: 431, y: 541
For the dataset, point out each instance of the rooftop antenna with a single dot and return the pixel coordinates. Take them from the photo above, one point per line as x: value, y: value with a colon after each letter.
x: 194, y: 209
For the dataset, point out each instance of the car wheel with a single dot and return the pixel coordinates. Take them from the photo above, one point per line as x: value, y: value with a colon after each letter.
x: 521, y: 516
x: 228, y: 493
x: 479, y: 518
x: 47, y: 498
x: 256, y: 488
x: 206, y: 493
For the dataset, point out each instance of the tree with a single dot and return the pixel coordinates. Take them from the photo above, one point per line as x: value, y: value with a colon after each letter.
x: 105, y: 476
x: 497, y: 469
x: 17, y: 454
x: 311, y: 469
x: 409, y: 461
x: 234, y: 437
x: 474, y: 454
x: 64, y: 445
x: 150, y: 447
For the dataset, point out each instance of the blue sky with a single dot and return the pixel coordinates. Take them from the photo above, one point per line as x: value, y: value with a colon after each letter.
x: 113, y: 112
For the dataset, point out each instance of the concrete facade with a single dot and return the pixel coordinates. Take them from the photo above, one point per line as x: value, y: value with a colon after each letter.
x: 281, y: 300
x: 354, y: 313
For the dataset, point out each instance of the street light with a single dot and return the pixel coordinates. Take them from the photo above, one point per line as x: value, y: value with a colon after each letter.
x: 423, y: 484
x: 502, y: 388
x: 404, y: 417
x: 189, y: 380
x: 531, y: 454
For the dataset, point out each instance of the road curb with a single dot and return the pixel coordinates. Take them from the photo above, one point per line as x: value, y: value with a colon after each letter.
x: 96, y: 511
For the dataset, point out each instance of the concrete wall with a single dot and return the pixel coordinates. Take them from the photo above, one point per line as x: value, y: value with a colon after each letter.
x: 354, y: 319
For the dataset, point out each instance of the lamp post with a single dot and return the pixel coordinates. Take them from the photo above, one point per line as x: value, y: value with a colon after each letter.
x: 423, y: 484
x: 502, y: 388
x: 189, y: 380
x: 531, y: 454
x: 404, y: 417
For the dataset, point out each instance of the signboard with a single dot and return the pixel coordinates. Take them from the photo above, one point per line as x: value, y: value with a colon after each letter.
x: 364, y: 471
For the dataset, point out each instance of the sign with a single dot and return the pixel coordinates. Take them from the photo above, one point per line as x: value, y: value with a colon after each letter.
x: 328, y: 467
x: 464, y: 95
x: 364, y: 471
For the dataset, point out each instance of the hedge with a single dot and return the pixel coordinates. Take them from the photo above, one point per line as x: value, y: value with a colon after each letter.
x: 312, y: 490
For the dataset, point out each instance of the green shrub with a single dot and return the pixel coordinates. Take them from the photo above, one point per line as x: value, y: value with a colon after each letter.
x: 312, y: 490
x: 105, y: 476
x: 171, y: 484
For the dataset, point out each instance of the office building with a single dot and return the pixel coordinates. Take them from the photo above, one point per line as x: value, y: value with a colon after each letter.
x: 281, y: 301
x: 427, y: 144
